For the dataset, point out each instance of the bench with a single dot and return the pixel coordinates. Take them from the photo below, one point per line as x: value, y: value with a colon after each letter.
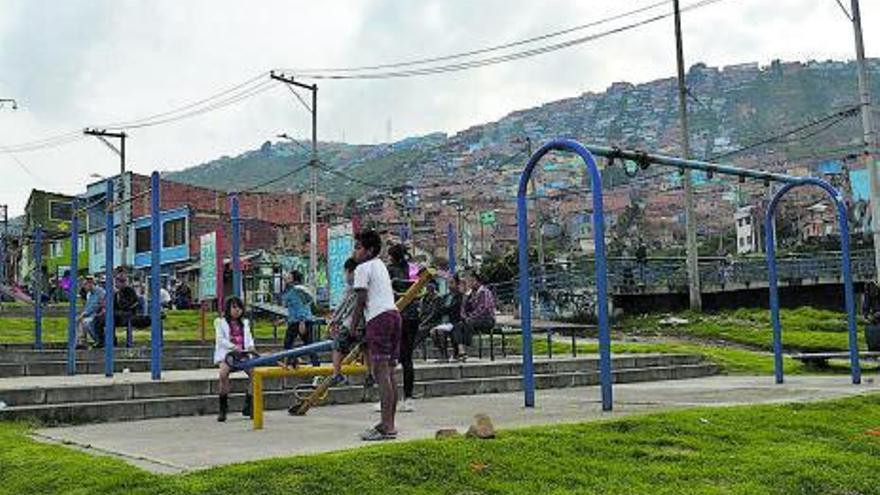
x: 820, y: 359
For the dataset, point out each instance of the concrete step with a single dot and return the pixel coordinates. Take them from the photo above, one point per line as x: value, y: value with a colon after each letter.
x: 29, y: 362
x: 124, y: 389
x: 148, y: 399
x: 147, y: 408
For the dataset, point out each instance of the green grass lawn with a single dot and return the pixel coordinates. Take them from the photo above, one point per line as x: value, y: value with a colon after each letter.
x: 803, y: 329
x: 178, y: 325
x: 820, y: 448
x: 731, y: 360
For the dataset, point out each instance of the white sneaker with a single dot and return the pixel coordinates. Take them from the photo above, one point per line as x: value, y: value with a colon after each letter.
x: 406, y: 406
x: 377, y: 407
x: 317, y: 380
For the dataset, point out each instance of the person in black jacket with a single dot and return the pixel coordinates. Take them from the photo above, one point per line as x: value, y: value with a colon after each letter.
x: 398, y: 269
x: 447, y: 316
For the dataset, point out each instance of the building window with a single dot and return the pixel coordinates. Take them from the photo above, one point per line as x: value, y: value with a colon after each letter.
x: 98, y: 243
x: 56, y: 249
x: 142, y: 240
x: 81, y: 243
x: 174, y: 233
x: 59, y: 210
x: 748, y: 220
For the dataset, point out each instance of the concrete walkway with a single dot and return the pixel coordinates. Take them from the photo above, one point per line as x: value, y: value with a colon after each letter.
x: 182, y: 444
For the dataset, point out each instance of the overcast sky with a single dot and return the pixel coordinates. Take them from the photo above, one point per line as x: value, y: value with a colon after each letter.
x: 76, y: 63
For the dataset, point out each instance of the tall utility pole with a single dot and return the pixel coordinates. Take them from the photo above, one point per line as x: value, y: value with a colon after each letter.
x: 4, y: 245
x: 693, y: 267
x: 313, y: 213
x: 102, y: 135
x: 870, y: 137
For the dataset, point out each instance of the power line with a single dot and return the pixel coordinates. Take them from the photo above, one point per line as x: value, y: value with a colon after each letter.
x: 247, y: 89
x: 275, y: 179
x: 501, y: 58
x: 423, y: 61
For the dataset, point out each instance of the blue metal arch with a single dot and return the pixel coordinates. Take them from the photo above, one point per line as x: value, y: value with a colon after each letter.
x: 601, y: 270
x: 847, y: 275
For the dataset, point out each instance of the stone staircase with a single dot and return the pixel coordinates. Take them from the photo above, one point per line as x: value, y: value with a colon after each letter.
x: 133, y: 396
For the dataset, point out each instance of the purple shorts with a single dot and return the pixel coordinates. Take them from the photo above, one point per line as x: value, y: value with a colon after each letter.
x: 383, y: 337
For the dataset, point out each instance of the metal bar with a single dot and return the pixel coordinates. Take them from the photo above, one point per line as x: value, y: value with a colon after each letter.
x: 491, y: 343
x: 236, y: 247
x: 155, y: 280
x: 271, y: 359
x: 257, y: 382
x: 574, y: 352
x: 549, y: 344
x: 38, y: 288
x: 605, y: 376
x: 715, y: 168
x: 109, y: 241
x: 72, y: 291
x: 450, y: 242
x: 855, y: 367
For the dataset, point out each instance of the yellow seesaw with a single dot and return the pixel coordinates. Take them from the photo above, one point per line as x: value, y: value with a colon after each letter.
x: 348, y: 368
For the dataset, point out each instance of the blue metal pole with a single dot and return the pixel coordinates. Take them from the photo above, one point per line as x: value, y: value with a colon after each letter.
x: 605, y: 372
x: 155, y: 276
x: 450, y: 239
x: 109, y: 242
x: 38, y: 288
x: 770, y: 250
x: 236, y: 247
x: 855, y: 366
x: 525, y: 307
x: 72, y: 291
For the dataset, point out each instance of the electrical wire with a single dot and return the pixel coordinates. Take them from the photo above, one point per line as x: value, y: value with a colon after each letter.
x: 423, y: 61
x: 501, y: 58
x: 247, y: 89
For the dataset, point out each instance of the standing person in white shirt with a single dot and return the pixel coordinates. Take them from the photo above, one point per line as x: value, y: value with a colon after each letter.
x: 375, y: 303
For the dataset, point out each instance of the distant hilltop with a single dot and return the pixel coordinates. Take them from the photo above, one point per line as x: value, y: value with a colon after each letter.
x: 730, y: 107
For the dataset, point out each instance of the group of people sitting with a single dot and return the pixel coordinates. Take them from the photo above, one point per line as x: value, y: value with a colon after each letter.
x: 129, y: 308
x: 368, y: 315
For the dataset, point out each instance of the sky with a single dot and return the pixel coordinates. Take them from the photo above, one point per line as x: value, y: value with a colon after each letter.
x: 72, y: 64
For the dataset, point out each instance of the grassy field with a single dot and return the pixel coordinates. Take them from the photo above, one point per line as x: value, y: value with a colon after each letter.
x: 178, y: 325
x: 803, y: 329
x: 731, y: 360
x: 821, y: 448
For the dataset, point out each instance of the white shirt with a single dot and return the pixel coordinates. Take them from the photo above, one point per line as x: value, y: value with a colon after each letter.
x: 223, y: 342
x: 164, y: 296
x: 373, y: 276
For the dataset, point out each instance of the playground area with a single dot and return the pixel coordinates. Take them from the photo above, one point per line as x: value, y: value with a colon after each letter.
x: 154, y: 406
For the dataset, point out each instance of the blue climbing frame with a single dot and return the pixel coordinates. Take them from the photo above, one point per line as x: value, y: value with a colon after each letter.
x: 601, y: 270
x: 73, y: 291
x: 236, y: 246
x: 770, y: 241
x: 37, y: 279
x: 156, y: 343
x: 109, y: 241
